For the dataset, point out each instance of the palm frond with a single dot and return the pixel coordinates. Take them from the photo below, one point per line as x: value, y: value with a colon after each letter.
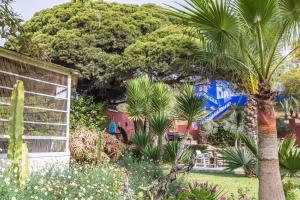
x: 214, y: 20
x: 255, y: 12
x: 250, y: 144
x: 289, y: 157
x: 235, y: 158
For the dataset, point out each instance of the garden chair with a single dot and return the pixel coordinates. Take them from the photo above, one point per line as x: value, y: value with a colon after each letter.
x: 201, y: 158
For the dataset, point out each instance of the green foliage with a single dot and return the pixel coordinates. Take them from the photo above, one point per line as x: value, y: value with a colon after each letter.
x: 170, y: 151
x: 159, y: 125
x: 218, y: 136
x: 141, y: 140
x: 87, y: 113
x: 146, y: 99
x: 201, y: 191
x: 289, y: 157
x: 235, y: 158
x: 138, y: 97
x: 24, y: 166
x: 289, y: 188
x: 109, y: 42
x: 188, y: 107
x: 283, y: 128
x: 85, y: 181
x: 16, y: 128
x: 291, y: 81
x: 10, y: 21
x: 151, y: 153
x: 142, y: 173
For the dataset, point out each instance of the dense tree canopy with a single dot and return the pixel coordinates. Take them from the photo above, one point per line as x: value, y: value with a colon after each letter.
x: 9, y: 20
x: 290, y: 79
x: 110, y: 42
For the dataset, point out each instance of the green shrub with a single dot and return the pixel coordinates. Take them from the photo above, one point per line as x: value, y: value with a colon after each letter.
x: 87, y: 113
x: 170, y: 151
x: 141, y: 172
x: 221, y: 137
x: 289, y: 188
x: 81, y: 182
x: 283, y: 128
x: 151, y: 153
x: 203, y: 191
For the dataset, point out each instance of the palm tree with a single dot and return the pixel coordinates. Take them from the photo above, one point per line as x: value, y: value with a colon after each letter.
x: 258, y: 29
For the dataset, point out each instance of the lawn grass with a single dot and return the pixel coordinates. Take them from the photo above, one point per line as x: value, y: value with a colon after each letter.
x: 230, y: 183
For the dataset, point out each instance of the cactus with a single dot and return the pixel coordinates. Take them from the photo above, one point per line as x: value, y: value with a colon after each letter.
x: 16, y: 128
x: 24, y: 167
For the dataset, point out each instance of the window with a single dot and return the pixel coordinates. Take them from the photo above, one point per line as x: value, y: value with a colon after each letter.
x: 46, y: 109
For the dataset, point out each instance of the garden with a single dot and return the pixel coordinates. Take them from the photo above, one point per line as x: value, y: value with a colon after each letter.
x: 199, y: 101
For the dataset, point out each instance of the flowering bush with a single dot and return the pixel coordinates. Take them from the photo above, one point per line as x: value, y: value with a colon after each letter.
x: 80, y: 182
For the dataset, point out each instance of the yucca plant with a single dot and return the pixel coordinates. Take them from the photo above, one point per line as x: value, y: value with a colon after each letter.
x: 248, y: 35
x: 141, y: 140
x: 170, y: 151
x: 151, y: 152
x: 188, y: 108
x: 138, y: 95
x: 159, y: 125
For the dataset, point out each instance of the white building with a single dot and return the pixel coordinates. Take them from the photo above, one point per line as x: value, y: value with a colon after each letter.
x: 47, y: 107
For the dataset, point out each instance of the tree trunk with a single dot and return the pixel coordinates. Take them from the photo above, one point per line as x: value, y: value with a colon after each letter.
x: 138, y: 126
x: 270, y: 184
x: 159, y: 142
x: 250, y: 118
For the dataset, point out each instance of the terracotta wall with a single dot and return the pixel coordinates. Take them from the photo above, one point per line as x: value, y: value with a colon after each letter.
x: 121, y: 119
x: 293, y: 123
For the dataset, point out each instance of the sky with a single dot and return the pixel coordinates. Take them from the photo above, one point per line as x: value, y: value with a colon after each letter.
x: 27, y: 8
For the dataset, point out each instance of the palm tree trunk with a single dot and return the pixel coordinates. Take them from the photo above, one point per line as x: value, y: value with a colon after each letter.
x: 250, y: 118
x: 270, y: 184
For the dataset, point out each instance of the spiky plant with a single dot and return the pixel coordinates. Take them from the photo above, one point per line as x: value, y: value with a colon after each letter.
x: 289, y: 157
x: 151, y: 152
x: 249, y: 35
x: 159, y: 125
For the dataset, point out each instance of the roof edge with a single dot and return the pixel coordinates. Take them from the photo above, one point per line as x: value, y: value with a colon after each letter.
x: 37, y: 63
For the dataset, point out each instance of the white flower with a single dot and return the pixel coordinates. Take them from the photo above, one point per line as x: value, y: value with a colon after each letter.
x: 13, y: 198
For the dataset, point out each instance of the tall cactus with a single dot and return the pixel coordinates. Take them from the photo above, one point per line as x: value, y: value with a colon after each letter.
x: 24, y: 167
x: 16, y: 128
